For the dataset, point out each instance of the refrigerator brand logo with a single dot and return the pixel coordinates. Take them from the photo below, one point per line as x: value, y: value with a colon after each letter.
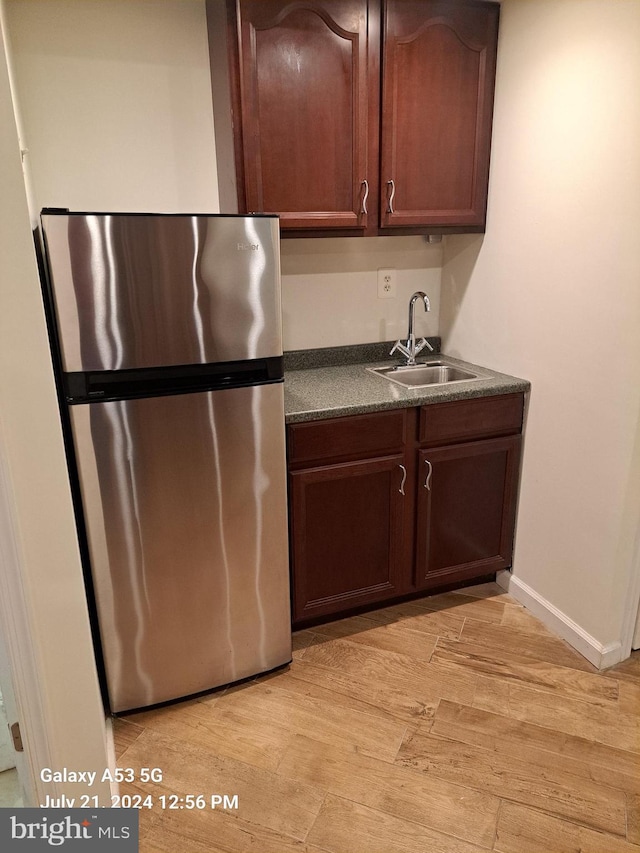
x: 248, y: 247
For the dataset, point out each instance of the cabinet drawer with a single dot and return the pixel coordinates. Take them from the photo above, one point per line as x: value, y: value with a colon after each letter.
x: 464, y: 420
x: 351, y: 437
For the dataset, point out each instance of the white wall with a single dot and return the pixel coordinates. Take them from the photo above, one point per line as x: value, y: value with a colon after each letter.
x: 116, y: 103
x: 552, y: 293
x: 330, y: 287
x: 40, y: 561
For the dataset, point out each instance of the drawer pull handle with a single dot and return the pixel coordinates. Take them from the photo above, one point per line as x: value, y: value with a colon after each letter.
x: 365, y: 184
x: 427, y: 482
x: 393, y: 192
x: 404, y: 478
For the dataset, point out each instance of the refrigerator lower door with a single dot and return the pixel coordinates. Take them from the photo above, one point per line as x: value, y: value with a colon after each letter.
x: 184, y: 501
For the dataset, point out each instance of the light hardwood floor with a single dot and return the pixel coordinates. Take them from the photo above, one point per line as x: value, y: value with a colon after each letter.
x: 451, y: 725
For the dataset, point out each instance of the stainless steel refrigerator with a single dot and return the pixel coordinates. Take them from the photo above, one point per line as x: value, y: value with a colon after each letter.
x: 166, y: 333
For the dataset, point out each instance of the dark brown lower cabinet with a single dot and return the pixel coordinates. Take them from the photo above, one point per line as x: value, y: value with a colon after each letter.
x: 348, y: 532
x: 388, y: 504
x: 466, y: 510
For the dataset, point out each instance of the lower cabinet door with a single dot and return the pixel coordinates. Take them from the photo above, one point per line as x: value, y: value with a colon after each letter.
x: 466, y: 510
x: 347, y: 535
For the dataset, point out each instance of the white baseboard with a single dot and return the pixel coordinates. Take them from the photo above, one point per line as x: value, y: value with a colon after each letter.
x: 600, y: 656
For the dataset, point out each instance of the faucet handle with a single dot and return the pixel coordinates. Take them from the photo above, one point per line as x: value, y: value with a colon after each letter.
x: 402, y: 348
x: 422, y: 344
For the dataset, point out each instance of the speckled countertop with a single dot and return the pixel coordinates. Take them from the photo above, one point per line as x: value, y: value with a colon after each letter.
x: 333, y: 382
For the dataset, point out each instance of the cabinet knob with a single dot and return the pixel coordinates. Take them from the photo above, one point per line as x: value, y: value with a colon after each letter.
x: 404, y: 478
x: 427, y: 482
x: 365, y: 185
x: 393, y: 192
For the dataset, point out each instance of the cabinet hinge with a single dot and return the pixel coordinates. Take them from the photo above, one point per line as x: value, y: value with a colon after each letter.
x: 16, y: 737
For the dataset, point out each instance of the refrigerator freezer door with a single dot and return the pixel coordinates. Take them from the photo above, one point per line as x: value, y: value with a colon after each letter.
x: 185, y: 507
x: 136, y: 290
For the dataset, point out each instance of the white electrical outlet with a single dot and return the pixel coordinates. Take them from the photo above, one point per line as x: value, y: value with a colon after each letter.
x: 386, y: 284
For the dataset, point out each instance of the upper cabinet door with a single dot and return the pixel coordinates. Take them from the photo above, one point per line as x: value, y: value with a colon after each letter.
x: 439, y: 60
x: 303, y: 97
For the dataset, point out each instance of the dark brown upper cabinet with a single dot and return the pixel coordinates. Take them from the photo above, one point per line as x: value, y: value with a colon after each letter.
x: 298, y: 76
x: 439, y: 61
x: 355, y: 117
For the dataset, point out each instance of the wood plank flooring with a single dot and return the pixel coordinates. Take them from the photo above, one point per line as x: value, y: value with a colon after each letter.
x: 456, y: 724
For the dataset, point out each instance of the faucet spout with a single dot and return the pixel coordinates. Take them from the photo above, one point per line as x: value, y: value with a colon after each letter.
x: 410, y: 349
x: 412, y: 308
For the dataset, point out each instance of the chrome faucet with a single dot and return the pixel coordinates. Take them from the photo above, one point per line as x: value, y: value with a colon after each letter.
x: 410, y: 349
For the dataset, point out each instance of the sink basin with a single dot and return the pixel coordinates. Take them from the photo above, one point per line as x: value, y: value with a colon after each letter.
x: 433, y: 373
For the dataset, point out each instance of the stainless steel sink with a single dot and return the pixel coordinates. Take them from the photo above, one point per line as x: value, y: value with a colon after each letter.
x: 422, y: 375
